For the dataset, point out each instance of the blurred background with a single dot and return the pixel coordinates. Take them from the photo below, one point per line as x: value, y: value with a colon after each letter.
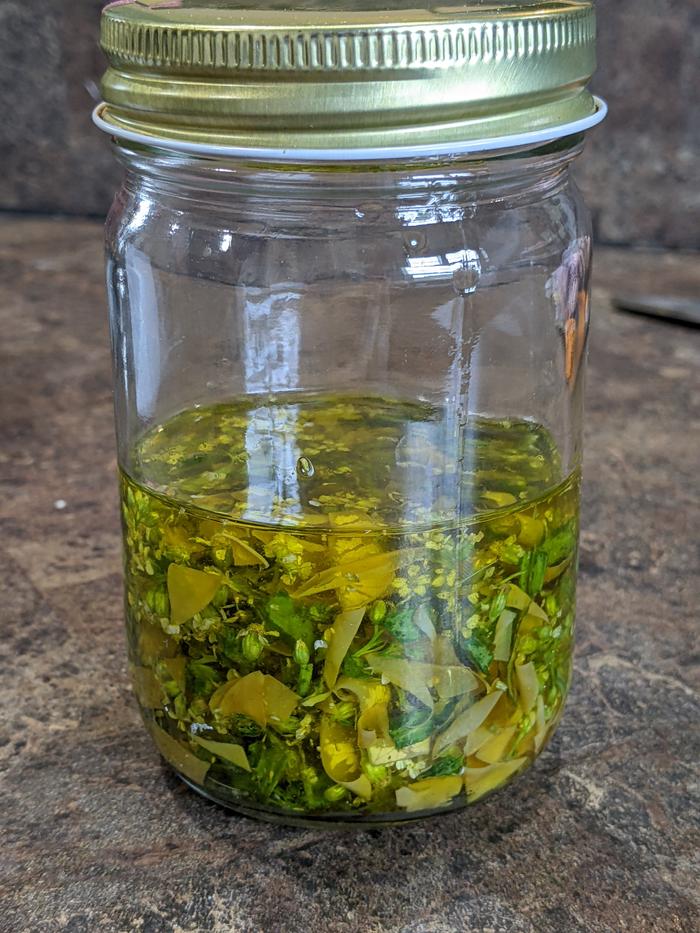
x: 640, y: 172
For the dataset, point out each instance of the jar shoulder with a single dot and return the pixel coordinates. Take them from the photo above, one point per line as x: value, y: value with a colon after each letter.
x: 261, y: 240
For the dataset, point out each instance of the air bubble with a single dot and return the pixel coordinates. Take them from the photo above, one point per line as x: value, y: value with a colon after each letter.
x: 416, y: 241
x: 466, y: 277
x: 305, y: 467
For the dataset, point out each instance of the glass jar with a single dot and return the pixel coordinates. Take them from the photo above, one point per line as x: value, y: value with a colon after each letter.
x: 349, y: 394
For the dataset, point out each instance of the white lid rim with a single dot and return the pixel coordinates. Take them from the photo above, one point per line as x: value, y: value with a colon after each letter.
x: 467, y: 147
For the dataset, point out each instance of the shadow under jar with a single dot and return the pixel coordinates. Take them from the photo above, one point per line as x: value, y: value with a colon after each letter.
x: 349, y: 376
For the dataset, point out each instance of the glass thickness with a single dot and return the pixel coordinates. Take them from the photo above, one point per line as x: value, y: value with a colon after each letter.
x: 345, y: 608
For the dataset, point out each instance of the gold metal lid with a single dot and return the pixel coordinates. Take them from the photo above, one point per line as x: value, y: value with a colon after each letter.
x: 358, y: 76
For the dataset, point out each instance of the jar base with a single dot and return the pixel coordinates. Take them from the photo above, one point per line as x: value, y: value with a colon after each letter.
x: 332, y: 821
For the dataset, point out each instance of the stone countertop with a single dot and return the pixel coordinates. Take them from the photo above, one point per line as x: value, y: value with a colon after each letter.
x: 601, y: 835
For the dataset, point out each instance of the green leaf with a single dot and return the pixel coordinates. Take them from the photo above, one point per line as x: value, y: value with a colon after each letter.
x: 230, y: 645
x: 524, y: 572
x: 561, y: 545
x: 282, y: 613
x: 412, y: 726
x: 498, y: 604
x: 355, y: 667
x: 270, y: 767
x: 532, y: 570
x: 202, y: 680
x: 477, y: 651
x: 447, y: 764
x: 398, y: 623
x: 538, y: 567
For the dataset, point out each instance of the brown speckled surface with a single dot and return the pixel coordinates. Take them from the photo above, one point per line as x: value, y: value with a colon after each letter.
x: 602, y: 835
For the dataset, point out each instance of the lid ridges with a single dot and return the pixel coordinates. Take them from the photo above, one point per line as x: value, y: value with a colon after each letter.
x: 449, y: 45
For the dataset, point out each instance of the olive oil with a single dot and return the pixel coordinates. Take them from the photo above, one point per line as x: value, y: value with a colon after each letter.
x: 346, y: 606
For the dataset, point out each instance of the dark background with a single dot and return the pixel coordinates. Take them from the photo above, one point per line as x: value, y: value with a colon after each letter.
x: 640, y: 173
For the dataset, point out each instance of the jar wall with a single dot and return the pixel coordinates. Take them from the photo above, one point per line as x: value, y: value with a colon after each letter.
x: 463, y: 284
x: 349, y: 423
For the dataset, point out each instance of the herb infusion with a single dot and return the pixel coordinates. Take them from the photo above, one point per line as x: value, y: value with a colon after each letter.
x: 331, y: 617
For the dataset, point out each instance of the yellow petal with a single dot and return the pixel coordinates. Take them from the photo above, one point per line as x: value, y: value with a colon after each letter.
x: 176, y: 669
x: 528, y: 685
x: 413, y: 676
x: 190, y: 591
x: 494, y: 750
x: 280, y: 701
x: 367, y: 692
x: 364, y: 578
x: 244, y: 555
x: 361, y: 787
x: 389, y: 754
x: 476, y: 739
x: 373, y: 725
x: 479, y: 781
x: 178, y: 756
x: 467, y: 722
x: 535, y: 610
x: 345, y: 627
x: 417, y: 677
x: 217, y: 696
x: 258, y: 696
x: 444, y: 653
x: 339, y: 753
x: 454, y: 680
x: 551, y: 573
x: 154, y: 644
x: 226, y: 750
x: 146, y: 687
x: 245, y: 696
x: 517, y: 598
x: 429, y: 793
x: 541, y: 730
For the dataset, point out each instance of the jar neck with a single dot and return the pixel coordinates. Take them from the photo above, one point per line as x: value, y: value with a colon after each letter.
x: 514, y: 175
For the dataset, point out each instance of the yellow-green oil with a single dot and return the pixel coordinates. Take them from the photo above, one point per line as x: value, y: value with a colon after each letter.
x: 342, y: 607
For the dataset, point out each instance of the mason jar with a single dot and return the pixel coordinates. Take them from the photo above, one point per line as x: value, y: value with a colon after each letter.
x: 348, y: 275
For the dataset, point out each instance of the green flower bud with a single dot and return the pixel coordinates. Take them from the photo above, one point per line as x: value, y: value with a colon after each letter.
x: 301, y: 653
x: 306, y: 672
x: 252, y: 646
x: 221, y: 597
x: 158, y: 602
x: 377, y: 774
x: 498, y: 604
x: 377, y: 611
x: 344, y: 712
x: 222, y: 557
x: 335, y: 793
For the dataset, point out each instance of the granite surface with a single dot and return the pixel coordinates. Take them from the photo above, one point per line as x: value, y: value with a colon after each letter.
x: 640, y: 172
x: 602, y: 836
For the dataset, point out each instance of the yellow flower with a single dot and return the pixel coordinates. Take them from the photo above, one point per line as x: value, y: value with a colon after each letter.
x: 282, y: 545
